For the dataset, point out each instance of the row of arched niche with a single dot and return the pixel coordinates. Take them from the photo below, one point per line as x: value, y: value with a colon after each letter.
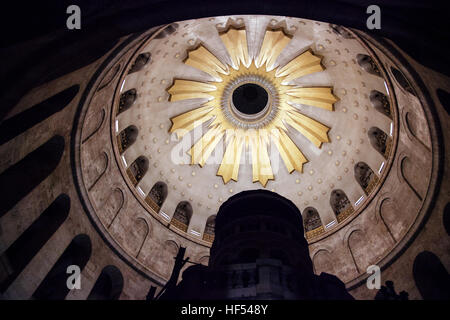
x: 339, y: 202
x: 41, y: 162
x: 36, y: 166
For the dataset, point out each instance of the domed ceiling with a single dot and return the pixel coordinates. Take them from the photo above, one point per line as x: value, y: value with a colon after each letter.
x: 227, y: 104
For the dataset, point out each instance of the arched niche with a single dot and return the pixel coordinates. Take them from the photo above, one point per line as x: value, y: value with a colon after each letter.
x: 358, y: 245
x: 431, y: 277
x: 54, y: 285
x: 137, y: 236
x: 140, y: 61
x: 93, y: 124
x: 109, y: 77
x: 127, y: 137
x: 204, y: 260
x: 312, y: 222
x: 380, y: 141
x: 388, y: 212
x: 367, y: 64
x: 208, y: 233
x: 323, y: 262
x: 157, y: 195
x: 412, y: 174
x: 340, y: 205
x: 182, y: 216
x: 97, y: 169
x: 413, y: 125
x: 113, y: 205
x: 138, y: 169
x: 30, y: 242
x: 108, y: 286
x: 34, y: 168
x: 127, y: 100
x: 380, y: 102
x: 365, y: 177
x: 401, y: 80
x: 167, y: 256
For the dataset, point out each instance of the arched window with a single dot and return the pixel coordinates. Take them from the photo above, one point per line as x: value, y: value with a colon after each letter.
x: 340, y: 204
x: 108, y: 286
x: 380, y: 141
x: 157, y: 195
x: 365, y: 176
x: 431, y: 277
x: 312, y: 223
x: 398, y: 75
x: 54, y: 285
x: 127, y: 99
x: 367, y: 64
x: 380, y: 102
x: 126, y: 138
x: 20, y: 253
x: 138, y: 169
x: 27, y: 119
x: 182, y: 216
x: 22, y: 177
x: 208, y: 233
x: 140, y: 62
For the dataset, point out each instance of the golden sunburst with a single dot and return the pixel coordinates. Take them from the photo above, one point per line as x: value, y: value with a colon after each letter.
x: 255, y: 131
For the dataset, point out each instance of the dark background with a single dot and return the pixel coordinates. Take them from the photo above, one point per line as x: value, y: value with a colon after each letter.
x: 36, y: 46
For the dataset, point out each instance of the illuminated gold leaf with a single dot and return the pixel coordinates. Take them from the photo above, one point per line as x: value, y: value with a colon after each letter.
x: 273, y: 43
x: 204, y: 60
x: 187, y: 89
x: 318, y: 97
x: 203, y: 148
x: 302, y: 65
x: 229, y: 168
x: 235, y: 40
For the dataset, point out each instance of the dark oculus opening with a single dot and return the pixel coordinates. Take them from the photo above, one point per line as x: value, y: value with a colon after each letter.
x: 250, y: 98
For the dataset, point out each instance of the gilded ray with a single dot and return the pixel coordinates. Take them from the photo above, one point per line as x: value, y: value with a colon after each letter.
x: 262, y: 170
x: 304, y: 64
x: 275, y: 131
x: 317, y: 97
x: 274, y: 42
x: 203, y: 148
x: 235, y: 40
x: 204, y: 60
x: 229, y: 168
x: 187, y: 121
x: 292, y: 157
x: 316, y: 132
x: 187, y: 89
